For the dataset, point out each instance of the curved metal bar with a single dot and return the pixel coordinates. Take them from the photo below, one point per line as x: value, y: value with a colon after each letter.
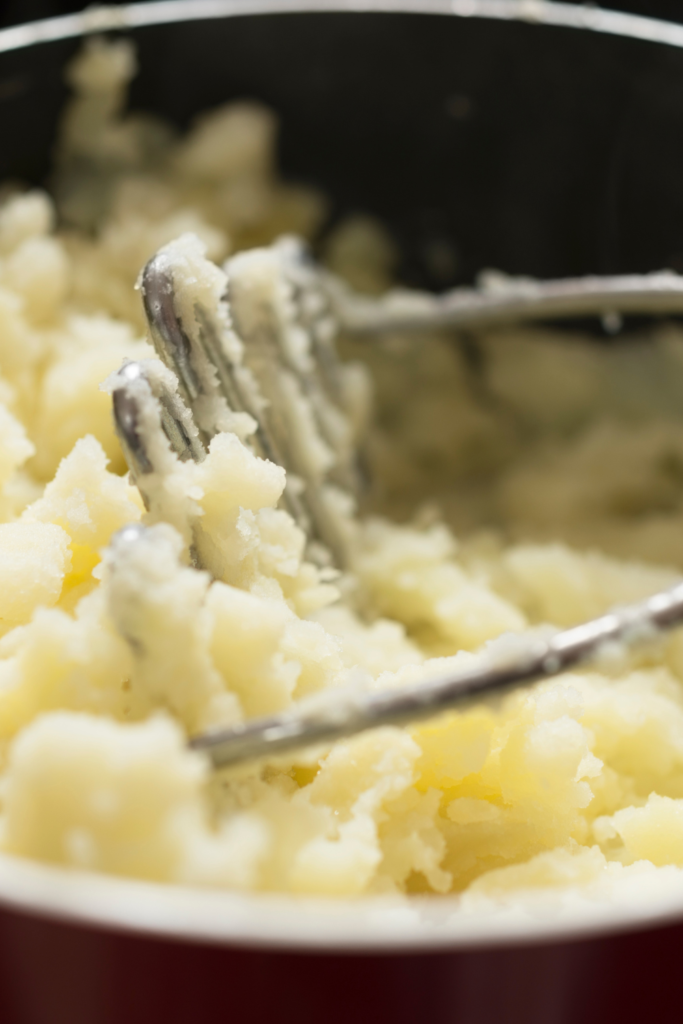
x: 164, y: 12
x: 342, y: 716
x: 518, y: 300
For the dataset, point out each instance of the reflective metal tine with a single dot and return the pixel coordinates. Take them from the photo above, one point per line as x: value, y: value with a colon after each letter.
x: 278, y: 350
x: 320, y: 371
x: 143, y: 403
x: 204, y: 360
x: 153, y: 425
x: 168, y: 337
x: 203, y: 343
x: 128, y: 426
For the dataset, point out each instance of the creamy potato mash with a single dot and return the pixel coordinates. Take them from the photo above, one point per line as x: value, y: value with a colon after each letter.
x: 525, y: 489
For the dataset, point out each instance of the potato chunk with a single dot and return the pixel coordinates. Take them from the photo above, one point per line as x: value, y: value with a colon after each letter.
x: 85, y: 791
x: 34, y: 558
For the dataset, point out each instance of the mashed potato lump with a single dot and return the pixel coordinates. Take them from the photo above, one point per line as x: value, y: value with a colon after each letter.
x: 528, y: 489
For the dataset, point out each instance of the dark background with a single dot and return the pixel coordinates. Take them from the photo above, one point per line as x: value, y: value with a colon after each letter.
x: 532, y: 149
x: 14, y: 11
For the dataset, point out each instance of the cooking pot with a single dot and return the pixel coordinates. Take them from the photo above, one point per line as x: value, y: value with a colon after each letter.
x: 538, y: 138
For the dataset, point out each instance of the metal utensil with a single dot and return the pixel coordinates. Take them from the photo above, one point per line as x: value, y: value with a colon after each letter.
x: 503, y: 301
x: 265, y: 348
x: 341, y: 716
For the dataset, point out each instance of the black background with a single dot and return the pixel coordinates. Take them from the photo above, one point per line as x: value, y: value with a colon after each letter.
x: 537, y: 151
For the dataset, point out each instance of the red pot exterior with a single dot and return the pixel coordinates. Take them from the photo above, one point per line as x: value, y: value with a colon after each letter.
x: 56, y: 973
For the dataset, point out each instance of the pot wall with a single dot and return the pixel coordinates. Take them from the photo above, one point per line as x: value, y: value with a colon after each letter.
x: 533, y: 149
x: 53, y: 973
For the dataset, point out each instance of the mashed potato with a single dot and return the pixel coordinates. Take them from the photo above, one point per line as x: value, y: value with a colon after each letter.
x: 529, y: 488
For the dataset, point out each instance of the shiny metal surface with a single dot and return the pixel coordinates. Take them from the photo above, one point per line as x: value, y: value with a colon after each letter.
x: 341, y: 716
x: 514, y: 301
x: 542, y: 12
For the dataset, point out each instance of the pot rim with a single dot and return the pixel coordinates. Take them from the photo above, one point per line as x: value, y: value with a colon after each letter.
x: 362, y: 925
x: 164, y: 12
x: 365, y: 924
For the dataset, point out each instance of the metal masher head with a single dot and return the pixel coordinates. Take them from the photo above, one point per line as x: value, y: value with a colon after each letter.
x: 252, y: 351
